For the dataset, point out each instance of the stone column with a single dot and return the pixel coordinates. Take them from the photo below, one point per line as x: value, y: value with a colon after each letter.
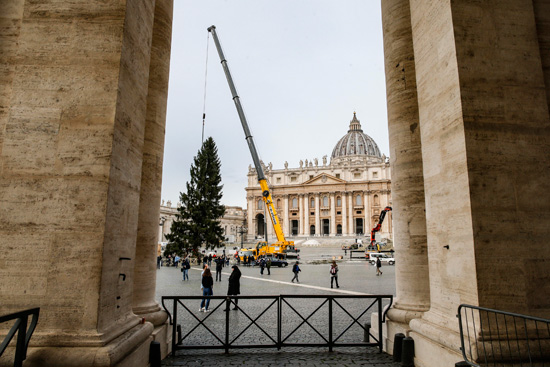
x: 484, y: 121
x: 145, y: 270
x: 306, y: 215
x: 250, y: 216
x: 300, y: 214
x: 411, y: 272
x: 286, y: 222
x: 332, y: 215
x: 344, y: 214
x: 367, y: 213
x: 317, y: 216
x: 350, y: 213
x: 75, y: 82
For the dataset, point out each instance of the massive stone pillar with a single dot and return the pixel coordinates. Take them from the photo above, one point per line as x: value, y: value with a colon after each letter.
x: 484, y: 125
x: 74, y: 92
x: 409, y: 221
x: 145, y: 270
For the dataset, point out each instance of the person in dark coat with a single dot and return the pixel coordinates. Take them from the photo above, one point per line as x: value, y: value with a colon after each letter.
x: 234, y: 288
x: 207, y: 289
x: 219, y: 267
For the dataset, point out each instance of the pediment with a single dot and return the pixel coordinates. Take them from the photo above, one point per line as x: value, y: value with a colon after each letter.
x: 323, y: 179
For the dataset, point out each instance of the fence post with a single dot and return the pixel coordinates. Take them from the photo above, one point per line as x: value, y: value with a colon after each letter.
x: 227, y: 308
x: 279, y: 321
x: 20, y: 349
x: 175, y: 322
x: 330, y: 324
x: 380, y: 336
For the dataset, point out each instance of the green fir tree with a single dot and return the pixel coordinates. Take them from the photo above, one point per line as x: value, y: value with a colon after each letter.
x: 197, y: 221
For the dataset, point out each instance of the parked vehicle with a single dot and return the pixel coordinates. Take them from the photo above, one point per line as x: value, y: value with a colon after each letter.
x: 354, y: 246
x: 274, y: 262
x: 384, y: 258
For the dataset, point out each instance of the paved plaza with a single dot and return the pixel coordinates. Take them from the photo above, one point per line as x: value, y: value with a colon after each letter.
x: 356, y: 278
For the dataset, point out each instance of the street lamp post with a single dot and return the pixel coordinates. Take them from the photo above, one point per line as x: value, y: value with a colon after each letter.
x: 242, y: 230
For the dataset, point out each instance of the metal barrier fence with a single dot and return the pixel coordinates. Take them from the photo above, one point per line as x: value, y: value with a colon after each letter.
x: 496, y: 338
x: 280, y: 321
x: 23, y: 333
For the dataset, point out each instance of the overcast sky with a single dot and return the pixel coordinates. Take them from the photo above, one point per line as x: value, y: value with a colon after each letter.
x: 301, y: 68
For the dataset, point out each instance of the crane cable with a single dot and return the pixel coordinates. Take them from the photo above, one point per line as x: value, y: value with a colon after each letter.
x: 205, y: 80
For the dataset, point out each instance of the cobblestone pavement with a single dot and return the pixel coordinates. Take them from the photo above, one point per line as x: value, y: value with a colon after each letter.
x: 355, y: 278
x: 306, y: 357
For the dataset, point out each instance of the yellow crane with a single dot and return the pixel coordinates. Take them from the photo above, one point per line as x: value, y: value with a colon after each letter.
x: 282, y: 248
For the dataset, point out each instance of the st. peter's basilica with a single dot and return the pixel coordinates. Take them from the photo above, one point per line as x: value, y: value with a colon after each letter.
x: 342, y: 197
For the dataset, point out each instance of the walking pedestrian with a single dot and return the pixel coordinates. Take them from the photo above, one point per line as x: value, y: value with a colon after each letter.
x: 296, y: 270
x: 210, y: 260
x: 334, y: 274
x: 159, y: 256
x: 268, y: 266
x: 219, y: 267
x: 378, y: 266
x: 207, y: 289
x: 185, y: 268
x: 262, y: 265
x: 234, y: 288
x: 205, y: 259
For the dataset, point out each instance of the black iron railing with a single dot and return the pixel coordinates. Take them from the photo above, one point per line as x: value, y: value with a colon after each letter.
x: 23, y: 333
x: 495, y: 338
x: 278, y: 321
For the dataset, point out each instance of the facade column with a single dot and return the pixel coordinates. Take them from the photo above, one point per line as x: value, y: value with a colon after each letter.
x: 351, y: 223
x: 300, y: 214
x: 332, y: 215
x: 344, y: 214
x: 286, y: 222
x: 250, y: 217
x: 367, y: 202
x: 306, y: 215
x: 410, y: 243
x: 317, y: 215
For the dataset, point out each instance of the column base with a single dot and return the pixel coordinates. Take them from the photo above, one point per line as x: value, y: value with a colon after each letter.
x: 163, y: 335
x: 130, y: 349
x: 434, y: 345
x: 153, y: 314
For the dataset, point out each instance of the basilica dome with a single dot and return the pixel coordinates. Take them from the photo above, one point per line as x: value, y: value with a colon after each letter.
x: 356, y: 143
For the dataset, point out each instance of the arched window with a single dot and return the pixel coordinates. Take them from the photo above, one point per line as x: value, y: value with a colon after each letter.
x: 338, y: 202
x: 294, y: 202
x: 376, y: 200
x: 260, y: 204
x: 312, y: 203
x: 278, y: 203
x: 358, y: 200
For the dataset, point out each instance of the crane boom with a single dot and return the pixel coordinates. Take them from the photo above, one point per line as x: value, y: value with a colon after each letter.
x: 266, y: 194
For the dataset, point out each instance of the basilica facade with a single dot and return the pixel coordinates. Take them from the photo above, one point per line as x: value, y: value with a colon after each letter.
x: 343, y: 197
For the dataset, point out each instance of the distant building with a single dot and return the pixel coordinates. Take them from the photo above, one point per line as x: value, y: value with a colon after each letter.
x: 232, y: 222
x: 340, y: 198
